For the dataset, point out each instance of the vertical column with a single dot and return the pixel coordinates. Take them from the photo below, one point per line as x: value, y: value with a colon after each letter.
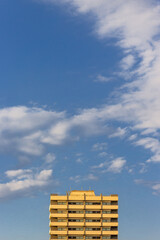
x: 101, y: 214
x: 84, y: 215
x: 67, y: 214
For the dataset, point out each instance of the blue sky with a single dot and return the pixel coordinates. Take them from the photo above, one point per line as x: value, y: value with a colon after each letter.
x: 79, y: 109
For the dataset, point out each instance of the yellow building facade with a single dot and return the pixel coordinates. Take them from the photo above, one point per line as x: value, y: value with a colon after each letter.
x: 82, y: 215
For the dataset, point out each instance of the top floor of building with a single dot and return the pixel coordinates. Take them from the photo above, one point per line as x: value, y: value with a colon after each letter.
x: 77, y: 195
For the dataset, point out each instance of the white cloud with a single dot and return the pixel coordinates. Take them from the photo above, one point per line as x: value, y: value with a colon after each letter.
x: 24, y: 183
x: 20, y: 173
x: 102, y: 154
x: 136, y: 27
x: 89, y: 177
x: 50, y: 158
x: 127, y: 62
x: 115, y: 166
x: 120, y: 132
x: 101, y: 78
x: 22, y: 129
x: 155, y: 186
x: 76, y: 178
x: 79, y: 160
x: 153, y: 145
x: 99, y: 146
x: 28, y: 131
x: 132, y: 137
x: 143, y: 168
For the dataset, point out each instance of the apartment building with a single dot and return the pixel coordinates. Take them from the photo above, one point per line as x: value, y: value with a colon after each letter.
x: 83, y: 215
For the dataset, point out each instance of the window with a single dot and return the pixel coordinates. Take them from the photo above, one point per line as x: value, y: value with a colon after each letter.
x: 61, y: 220
x: 114, y: 211
x: 106, y: 220
x: 94, y: 237
x: 114, y: 237
x: 93, y: 229
x: 106, y: 229
x: 75, y: 220
x: 61, y: 203
x: 75, y: 211
x: 114, y: 220
x: 106, y: 212
x: 75, y: 229
x: 106, y: 203
x: 114, y: 228
x: 75, y: 237
x: 75, y: 203
x: 93, y: 203
x: 93, y: 220
x: 114, y: 203
x: 92, y: 212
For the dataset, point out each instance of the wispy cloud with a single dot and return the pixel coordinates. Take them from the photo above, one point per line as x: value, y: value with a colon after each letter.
x: 132, y: 137
x: 127, y: 62
x: 50, y: 158
x: 151, y: 144
x: 115, y: 166
x: 23, y: 129
x: 102, y: 154
x: 24, y: 183
x: 99, y: 146
x: 79, y: 160
x: 119, y: 132
x: 79, y: 178
x: 143, y: 168
x: 101, y: 78
x: 155, y: 186
x: 135, y: 26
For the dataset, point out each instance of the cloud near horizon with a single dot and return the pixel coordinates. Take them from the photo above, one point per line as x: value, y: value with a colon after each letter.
x: 155, y: 186
x: 24, y: 182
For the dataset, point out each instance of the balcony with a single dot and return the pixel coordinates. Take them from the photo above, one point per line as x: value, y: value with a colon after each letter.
x: 110, y: 224
x: 93, y: 198
x: 57, y: 206
x: 110, y: 198
x: 76, y: 215
x: 109, y: 215
x: 110, y: 232
x: 105, y: 207
x: 93, y: 232
x: 58, y: 215
x: 74, y: 224
x: 109, y: 237
x: 71, y: 232
x: 76, y: 198
x: 55, y: 238
x: 93, y: 207
x: 58, y: 198
x: 93, y: 215
x: 75, y: 206
x: 57, y: 232
x: 52, y: 224
x: 91, y: 224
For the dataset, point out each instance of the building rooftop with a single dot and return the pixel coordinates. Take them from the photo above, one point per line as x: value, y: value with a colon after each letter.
x: 78, y: 192
x: 81, y: 193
